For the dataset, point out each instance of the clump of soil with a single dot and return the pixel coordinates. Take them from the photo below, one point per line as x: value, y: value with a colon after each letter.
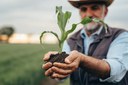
x: 59, y: 57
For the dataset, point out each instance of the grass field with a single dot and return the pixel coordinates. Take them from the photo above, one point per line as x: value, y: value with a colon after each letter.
x: 20, y: 64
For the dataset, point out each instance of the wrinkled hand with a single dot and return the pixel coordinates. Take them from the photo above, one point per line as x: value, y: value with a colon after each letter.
x: 47, y: 66
x: 62, y: 70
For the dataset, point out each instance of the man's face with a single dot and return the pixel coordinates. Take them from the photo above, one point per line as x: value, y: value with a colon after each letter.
x: 93, y: 11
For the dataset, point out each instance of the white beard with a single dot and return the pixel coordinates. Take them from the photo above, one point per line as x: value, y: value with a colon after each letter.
x: 91, y: 26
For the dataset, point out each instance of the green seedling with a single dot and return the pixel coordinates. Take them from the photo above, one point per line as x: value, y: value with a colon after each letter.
x: 62, y: 20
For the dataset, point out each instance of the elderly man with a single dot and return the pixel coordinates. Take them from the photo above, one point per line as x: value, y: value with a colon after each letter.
x: 96, y: 57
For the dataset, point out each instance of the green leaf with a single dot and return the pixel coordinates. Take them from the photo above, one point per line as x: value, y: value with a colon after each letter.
x: 55, y: 36
x: 102, y: 22
x: 42, y: 34
x: 65, y: 35
x: 59, y: 17
x: 66, y: 17
x: 62, y: 18
x: 58, y: 9
x: 86, y: 20
x: 72, y: 29
x: 98, y: 20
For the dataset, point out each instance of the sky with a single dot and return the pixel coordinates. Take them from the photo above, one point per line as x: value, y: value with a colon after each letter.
x: 36, y: 16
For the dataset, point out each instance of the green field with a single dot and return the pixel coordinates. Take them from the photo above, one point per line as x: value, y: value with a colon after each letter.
x: 20, y: 64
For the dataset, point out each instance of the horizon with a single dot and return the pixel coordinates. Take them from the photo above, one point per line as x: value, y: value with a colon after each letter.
x: 37, y: 16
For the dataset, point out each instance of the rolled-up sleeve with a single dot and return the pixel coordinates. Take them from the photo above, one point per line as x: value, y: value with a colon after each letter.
x: 117, y: 58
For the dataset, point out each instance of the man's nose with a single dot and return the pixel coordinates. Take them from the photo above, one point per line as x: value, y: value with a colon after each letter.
x: 89, y: 13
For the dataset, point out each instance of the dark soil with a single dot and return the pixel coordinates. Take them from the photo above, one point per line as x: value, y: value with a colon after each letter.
x: 59, y: 57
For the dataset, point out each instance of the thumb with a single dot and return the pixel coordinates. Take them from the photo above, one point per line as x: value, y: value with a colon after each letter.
x: 47, y: 55
x: 72, y: 56
x: 67, y: 60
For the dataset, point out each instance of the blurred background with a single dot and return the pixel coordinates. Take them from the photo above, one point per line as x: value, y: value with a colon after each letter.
x: 21, y: 23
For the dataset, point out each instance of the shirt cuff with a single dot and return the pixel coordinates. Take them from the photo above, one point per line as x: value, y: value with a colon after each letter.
x: 117, y: 71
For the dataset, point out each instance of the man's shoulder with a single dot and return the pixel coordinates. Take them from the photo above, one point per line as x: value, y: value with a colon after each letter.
x: 116, y: 32
x: 117, y: 29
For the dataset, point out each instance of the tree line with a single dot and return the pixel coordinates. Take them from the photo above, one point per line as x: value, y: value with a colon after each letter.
x: 6, y: 31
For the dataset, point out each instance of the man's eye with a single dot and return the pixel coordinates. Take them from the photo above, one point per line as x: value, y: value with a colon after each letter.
x: 83, y: 9
x: 95, y: 7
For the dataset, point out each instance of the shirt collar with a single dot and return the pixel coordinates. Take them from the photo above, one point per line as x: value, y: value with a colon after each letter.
x: 83, y: 34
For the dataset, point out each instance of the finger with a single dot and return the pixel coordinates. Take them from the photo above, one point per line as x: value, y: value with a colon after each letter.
x: 47, y: 65
x: 61, y: 71
x: 72, y: 56
x: 58, y: 76
x: 47, y: 55
x: 49, y: 72
x: 61, y: 65
x: 74, y: 65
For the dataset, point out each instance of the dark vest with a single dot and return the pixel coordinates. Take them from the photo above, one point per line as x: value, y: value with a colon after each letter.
x: 98, y: 49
